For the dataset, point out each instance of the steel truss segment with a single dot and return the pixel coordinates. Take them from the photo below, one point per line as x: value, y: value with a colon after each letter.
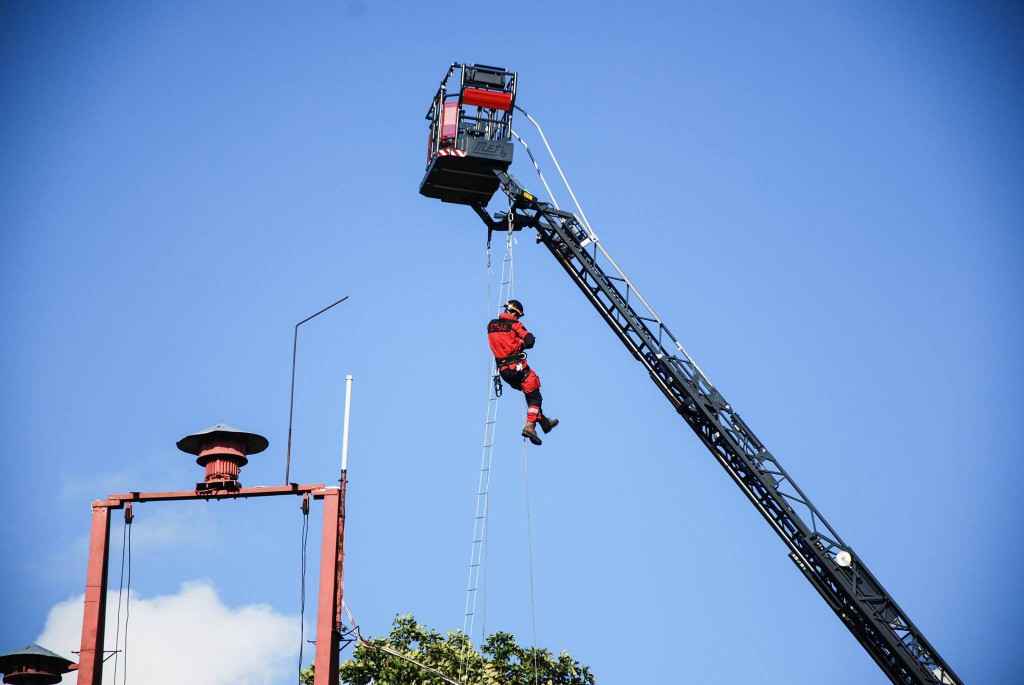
x: 850, y: 590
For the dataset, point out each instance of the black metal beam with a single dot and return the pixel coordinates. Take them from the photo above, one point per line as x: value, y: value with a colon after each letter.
x: 849, y: 588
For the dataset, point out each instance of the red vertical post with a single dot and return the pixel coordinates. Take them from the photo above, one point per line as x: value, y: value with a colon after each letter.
x: 90, y: 660
x: 340, y: 572
x: 327, y: 634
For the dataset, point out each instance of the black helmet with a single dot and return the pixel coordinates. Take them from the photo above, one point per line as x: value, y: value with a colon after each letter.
x: 515, y: 307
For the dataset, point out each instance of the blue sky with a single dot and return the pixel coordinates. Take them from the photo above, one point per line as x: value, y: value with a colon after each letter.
x: 823, y: 202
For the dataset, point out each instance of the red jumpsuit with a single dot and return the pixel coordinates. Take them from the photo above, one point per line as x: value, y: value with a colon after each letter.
x: 508, y: 339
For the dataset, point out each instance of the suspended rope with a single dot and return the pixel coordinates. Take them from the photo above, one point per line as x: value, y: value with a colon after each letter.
x: 478, y: 556
x: 565, y: 181
x: 124, y: 595
x: 590, y: 231
x: 302, y: 584
x: 533, y: 159
x: 529, y: 547
x: 477, y: 582
x: 120, y: 588
x: 526, y: 470
x: 127, y: 594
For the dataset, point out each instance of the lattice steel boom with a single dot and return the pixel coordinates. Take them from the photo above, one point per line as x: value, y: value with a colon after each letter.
x: 835, y: 571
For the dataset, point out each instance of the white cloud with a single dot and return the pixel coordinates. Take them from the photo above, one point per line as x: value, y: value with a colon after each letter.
x: 190, y: 637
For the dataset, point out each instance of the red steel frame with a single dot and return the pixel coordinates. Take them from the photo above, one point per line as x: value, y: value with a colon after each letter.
x: 90, y: 663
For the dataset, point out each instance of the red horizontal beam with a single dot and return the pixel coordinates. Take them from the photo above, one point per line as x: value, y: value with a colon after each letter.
x: 118, y: 501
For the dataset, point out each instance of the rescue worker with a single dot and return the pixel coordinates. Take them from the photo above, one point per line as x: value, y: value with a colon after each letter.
x: 508, y: 339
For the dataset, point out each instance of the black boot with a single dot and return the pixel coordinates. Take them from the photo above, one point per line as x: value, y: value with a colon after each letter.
x: 530, y: 432
x: 547, y: 425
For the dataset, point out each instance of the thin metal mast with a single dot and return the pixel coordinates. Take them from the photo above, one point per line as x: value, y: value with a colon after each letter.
x: 831, y: 566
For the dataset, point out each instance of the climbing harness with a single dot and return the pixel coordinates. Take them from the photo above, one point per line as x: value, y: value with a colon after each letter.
x: 510, y: 360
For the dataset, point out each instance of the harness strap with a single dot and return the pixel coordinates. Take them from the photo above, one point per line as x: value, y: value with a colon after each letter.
x: 510, y: 360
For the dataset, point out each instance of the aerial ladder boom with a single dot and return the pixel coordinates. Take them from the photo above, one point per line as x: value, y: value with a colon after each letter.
x: 829, y: 564
x: 835, y: 571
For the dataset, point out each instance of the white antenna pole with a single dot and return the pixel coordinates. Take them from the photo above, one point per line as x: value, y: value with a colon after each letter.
x: 348, y: 409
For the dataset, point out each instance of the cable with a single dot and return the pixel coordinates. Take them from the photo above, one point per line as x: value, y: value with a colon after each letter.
x: 593, y: 237
x: 388, y: 650
x: 302, y: 598
x: 117, y: 632
x: 128, y: 599
x: 478, y: 575
x: 394, y: 653
x: 535, y: 166
x: 529, y: 547
x: 125, y: 593
x: 291, y: 402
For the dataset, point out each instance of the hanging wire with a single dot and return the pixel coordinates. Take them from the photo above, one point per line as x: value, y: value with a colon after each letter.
x: 478, y: 576
x: 529, y: 547
x: 395, y: 653
x: 533, y: 159
x: 117, y: 632
x: 590, y: 231
x: 302, y: 584
x: 509, y: 243
x: 509, y: 293
x: 560, y: 173
x: 128, y: 597
x: 388, y: 650
x: 123, y: 594
x: 509, y: 254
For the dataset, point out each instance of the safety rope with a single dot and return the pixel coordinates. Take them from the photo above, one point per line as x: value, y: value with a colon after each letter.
x: 529, y: 547
x: 127, y: 602
x: 476, y: 587
x: 526, y: 471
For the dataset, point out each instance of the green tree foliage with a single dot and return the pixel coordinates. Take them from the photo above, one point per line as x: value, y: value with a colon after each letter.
x: 500, y: 661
